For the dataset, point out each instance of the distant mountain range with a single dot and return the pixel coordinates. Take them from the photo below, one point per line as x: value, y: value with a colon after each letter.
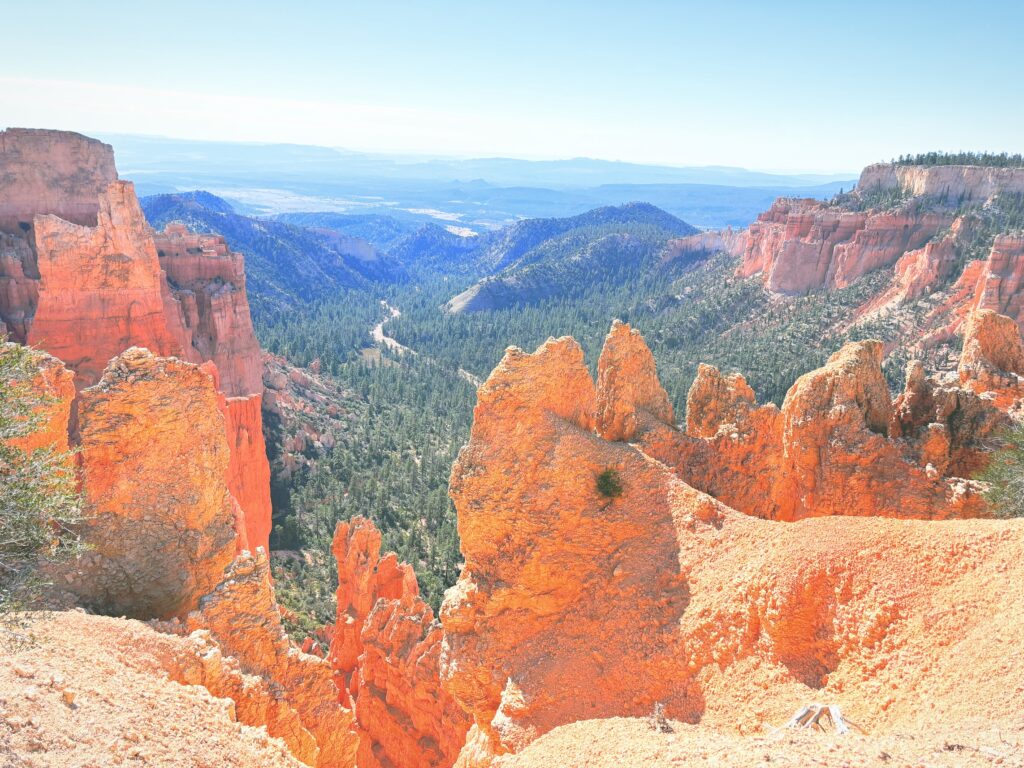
x: 297, y: 257
x: 460, y: 194
x: 284, y: 264
x: 148, y: 153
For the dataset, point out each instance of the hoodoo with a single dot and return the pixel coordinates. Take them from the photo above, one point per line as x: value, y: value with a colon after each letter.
x: 680, y: 604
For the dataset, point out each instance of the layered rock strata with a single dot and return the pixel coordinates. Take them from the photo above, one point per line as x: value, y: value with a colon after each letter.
x: 51, y: 172
x: 805, y: 245
x: 955, y: 182
x: 99, y: 287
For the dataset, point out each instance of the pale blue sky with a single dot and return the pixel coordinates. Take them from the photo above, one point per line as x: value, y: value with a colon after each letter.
x: 784, y: 86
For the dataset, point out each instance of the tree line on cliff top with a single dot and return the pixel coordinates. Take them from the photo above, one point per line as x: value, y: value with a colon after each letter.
x: 986, y: 159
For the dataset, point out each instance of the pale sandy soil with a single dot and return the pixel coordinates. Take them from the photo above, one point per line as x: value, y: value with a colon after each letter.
x: 93, y: 693
x: 624, y: 742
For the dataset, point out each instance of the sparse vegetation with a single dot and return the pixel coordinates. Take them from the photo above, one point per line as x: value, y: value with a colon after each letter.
x: 1005, y: 476
x: 39, y: 500
x: 609, y: 484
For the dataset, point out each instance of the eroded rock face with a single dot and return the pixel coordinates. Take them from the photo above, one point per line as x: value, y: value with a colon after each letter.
x: 242, y: 617
x: 956, y: 182
x: 51, y: 172
x: 208, y: 280
x: 525, y: 647
x: 363, y: 577
x: 99, y: 287
x: 154, y: 460
x: 836, y: 448
x: 837, y: 455
x: 19, y: 292
x: 83, y: 280
x: 679, y: 600
x: 805, y: 245
x: 993, y: 357
x: 248, y: 475
x: 706, y: 243
x: 731, y: 449
x: 385, y: 651
x: 715, y: 400
x: 628, y: 390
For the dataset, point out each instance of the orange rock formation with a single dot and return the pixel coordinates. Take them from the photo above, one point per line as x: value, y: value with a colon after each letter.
x: 676, y: 599
x: 628, y: 390
x: 51, y: 172
x: 385, y: 651
x: 99, y: 287
x: 993, y: 357
x: 804, y: 245
x: 83, y: 277
x: 242, y: 618
x: 154, y: 460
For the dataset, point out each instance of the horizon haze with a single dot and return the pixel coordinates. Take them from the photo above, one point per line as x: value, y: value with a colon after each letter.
x: 782, y: 88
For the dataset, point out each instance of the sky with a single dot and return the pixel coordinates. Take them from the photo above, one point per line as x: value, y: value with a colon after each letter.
x: 785, y: 86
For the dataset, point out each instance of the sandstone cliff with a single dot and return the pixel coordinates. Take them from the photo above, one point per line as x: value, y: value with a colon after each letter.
x: 936, y: 228
x: 99, y: 287
x: 208, y: 280
x: 83, y: 277
x: 805, y: 245
x: 51, y: 172
x: 970, y: 182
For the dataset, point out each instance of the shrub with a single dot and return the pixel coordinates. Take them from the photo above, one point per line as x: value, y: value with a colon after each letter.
x: 609, y: 484
x: 39, y: 499
x: 1005, y: 476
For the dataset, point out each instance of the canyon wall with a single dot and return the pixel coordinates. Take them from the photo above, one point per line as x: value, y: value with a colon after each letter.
x: 969, y: 182
x: 84, y: 277
x: 805, y: 245
x: 675, y: 601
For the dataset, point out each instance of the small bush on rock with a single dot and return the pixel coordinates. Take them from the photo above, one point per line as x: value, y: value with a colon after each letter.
x: 609, y: 484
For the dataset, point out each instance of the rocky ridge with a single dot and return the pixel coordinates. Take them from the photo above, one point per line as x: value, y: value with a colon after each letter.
x: 680, y: 601
x: 924, y: 223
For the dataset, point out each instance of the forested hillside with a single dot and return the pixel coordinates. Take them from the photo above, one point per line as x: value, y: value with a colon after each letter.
x: 285, y: 265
